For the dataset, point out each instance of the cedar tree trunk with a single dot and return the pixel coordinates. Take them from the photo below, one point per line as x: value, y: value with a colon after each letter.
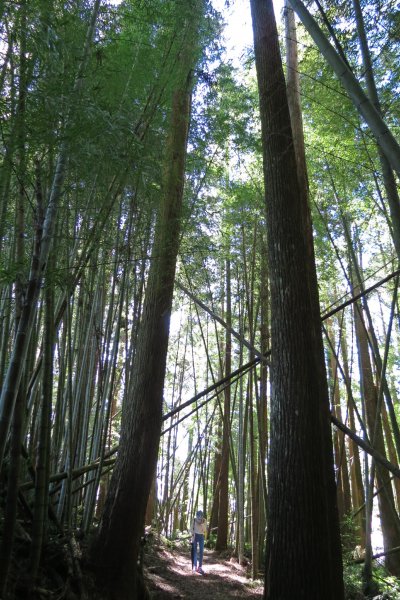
x: 303, y: 558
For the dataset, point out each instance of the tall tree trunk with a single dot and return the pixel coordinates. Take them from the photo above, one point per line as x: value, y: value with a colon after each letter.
x: 222, y: 534
x: 342, y: 474
x: 253, y: 473
x: 241, y: 470
x: 391, y: 451
x: 336, y: 445
x: 213, y: 522
x: 357, y: 488
x: 303, y: 527
x: 263, y: 395
x: 184, y: 524
x: 117, y: 544
x: 389, y: 519
x: 44, y: 438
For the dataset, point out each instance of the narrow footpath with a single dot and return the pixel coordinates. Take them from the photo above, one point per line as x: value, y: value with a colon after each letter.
x: 168, y: 574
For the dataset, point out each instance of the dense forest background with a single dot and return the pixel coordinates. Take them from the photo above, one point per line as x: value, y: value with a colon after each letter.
x: 143, y: 285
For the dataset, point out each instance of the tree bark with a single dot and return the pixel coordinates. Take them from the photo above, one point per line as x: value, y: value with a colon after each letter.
x: 303, y: 528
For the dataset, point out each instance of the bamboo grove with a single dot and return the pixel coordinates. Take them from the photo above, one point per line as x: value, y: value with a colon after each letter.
x: 143, y: 290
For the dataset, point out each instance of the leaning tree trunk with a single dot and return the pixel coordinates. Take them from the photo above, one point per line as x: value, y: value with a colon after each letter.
x: 303, y: 528
x: 389, y: 181
x: 116, y: 547
x: 362, y: 103
x: 293, y: 96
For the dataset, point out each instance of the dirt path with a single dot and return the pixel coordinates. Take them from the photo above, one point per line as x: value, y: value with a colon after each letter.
x: 168, y: 574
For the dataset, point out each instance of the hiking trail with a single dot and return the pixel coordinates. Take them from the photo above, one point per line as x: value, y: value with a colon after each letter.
x: 168, y: 574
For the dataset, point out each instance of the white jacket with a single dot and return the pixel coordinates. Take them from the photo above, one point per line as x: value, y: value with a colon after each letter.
x: 199, y: 526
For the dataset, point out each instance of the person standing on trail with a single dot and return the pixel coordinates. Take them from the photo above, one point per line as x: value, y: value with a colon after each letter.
x: 199, y: 530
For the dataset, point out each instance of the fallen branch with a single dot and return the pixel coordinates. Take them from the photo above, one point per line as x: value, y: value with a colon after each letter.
x: 379, y: 555
x: 75, y: 473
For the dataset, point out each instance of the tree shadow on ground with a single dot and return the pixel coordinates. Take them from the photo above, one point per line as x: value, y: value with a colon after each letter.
x: 168, y: 574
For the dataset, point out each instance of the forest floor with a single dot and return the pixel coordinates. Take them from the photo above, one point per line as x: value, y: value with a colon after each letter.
x: 168, y: 574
